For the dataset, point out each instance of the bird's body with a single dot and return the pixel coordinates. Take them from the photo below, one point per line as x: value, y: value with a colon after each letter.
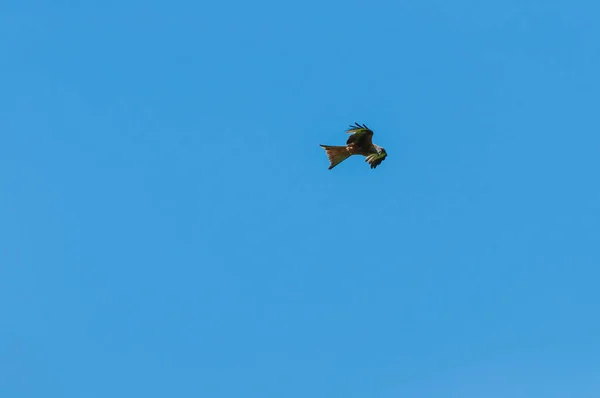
x: 359, y: 143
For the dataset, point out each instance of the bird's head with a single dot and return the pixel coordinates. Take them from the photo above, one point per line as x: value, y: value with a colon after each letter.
x: 380, y: 150
x: 375, y: 159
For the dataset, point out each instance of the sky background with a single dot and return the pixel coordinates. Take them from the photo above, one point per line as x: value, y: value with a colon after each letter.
x: 169, y: 228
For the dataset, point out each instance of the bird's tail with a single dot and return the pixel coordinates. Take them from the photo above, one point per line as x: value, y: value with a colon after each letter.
x: 336, y: 154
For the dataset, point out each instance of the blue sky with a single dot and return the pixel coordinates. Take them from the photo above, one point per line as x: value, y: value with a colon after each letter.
x: 170, y: 228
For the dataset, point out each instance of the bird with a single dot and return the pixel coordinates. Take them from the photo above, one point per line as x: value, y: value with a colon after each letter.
x: 359, y: 143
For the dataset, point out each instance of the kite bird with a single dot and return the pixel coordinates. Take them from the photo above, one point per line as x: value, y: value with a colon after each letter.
x: 359, y: 143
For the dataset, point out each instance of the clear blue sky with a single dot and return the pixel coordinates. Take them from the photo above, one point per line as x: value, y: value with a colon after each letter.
x: 169, y: 227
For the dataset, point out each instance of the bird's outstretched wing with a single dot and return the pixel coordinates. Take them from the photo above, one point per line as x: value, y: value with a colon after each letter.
x: 361, y: 135
x: 375, y: 159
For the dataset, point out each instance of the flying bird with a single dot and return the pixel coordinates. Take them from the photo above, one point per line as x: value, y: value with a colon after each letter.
x: 359, y: 143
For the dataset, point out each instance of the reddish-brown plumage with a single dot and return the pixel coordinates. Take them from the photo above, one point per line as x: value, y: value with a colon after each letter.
x: 336, y: 154
x: 359, y: 143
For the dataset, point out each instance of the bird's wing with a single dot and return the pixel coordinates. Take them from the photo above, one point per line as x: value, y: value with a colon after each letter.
x: 375, y: 159
x: 361, y: 135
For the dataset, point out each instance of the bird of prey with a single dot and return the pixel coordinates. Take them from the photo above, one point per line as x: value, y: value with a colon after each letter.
x: 359, y: 143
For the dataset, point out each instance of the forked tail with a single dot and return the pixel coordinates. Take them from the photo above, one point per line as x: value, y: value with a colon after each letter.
x: 336, y: 154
